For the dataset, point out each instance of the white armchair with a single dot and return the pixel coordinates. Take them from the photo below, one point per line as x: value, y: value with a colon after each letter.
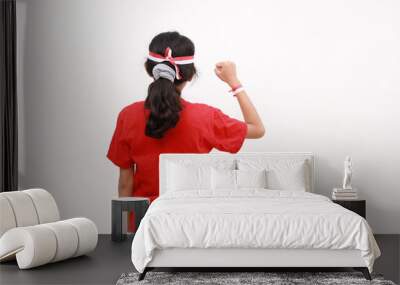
x: 31, y: 230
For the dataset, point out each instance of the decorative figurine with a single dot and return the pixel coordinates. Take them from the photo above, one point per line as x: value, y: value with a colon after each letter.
x: 348, y: 172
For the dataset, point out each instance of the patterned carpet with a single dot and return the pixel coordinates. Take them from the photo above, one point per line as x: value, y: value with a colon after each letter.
x: 243, y: 278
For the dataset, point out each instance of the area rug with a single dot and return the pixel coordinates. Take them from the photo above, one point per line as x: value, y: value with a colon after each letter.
x: 244, y: 278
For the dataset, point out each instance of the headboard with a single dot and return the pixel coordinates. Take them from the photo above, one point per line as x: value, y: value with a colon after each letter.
x: 201, y: 158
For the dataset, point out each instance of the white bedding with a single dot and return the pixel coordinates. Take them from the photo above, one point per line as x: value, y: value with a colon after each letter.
x: 251, y: 218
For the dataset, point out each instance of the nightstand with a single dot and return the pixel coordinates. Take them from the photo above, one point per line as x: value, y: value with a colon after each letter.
x: 357, y: 206
x: 138, y: 205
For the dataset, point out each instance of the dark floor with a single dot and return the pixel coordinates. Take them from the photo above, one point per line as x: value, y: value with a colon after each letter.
x: 103, y: 266
x: 110, y: 260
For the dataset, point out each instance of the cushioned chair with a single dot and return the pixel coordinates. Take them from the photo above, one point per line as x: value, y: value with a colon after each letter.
x: 31, y: 230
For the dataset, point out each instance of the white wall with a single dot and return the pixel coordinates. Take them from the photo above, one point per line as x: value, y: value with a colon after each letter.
x: 323, y: 74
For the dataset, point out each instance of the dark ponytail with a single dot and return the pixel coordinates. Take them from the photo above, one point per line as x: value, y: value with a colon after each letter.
x: 163, y: 97
x: 164, y: 105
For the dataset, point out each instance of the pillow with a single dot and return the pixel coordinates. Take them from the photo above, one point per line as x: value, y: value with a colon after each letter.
x: 228, y: 179
x: 223, y: 179
x: 182, y: 177
x: 281, y: 174
x: 292, y: 179
x: 251, y: 178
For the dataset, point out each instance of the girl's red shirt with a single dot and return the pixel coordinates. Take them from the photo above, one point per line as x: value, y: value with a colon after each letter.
x: 200, y: 129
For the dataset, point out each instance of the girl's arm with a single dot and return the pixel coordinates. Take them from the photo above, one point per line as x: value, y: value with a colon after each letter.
x: 226, y: 71
x: 125, y: 182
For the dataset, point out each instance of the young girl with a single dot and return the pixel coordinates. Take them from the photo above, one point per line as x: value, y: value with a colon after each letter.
x: 166, y: 123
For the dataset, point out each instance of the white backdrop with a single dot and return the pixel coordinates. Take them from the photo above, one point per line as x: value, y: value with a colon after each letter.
x: 324, y: 76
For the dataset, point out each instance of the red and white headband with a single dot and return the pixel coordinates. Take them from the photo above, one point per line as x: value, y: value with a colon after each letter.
x: 175, y: 61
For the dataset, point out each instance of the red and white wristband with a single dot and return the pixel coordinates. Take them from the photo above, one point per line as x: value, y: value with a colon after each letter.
x: 236, y: 89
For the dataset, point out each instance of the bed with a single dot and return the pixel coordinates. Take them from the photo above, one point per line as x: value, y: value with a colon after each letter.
x: 248, y: 210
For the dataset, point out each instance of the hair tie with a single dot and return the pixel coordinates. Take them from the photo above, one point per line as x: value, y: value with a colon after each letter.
x: 163, y: 71
x: 175, y: 61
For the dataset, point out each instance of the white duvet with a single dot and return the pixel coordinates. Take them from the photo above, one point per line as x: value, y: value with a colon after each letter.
x: 250, y: 219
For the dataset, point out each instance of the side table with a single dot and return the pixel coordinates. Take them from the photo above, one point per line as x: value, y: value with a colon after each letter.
x: 357, y: 206
x: 138, y: 205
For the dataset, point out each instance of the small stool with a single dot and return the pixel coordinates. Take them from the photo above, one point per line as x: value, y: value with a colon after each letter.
x: 138, y: 205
